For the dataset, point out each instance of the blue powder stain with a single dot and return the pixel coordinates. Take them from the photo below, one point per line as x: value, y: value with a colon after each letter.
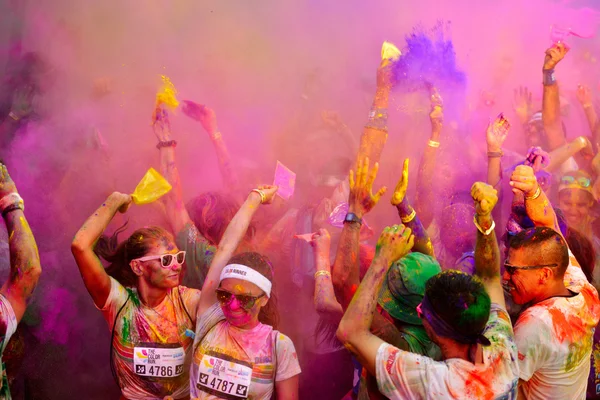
x: 428, y: 59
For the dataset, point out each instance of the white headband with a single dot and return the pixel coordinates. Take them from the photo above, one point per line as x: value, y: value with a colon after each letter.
x: 239, y: 271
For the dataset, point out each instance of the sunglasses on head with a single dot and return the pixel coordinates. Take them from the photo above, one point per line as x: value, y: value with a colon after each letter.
x: 246, y: 301
x: 166, y: 260
x: 581, y: 181
x: 511, y: 269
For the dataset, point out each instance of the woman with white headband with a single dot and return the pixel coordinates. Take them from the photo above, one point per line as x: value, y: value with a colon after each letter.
x: 238, y: 354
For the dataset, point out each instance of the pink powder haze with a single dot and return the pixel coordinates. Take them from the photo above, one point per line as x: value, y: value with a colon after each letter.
x: 250, y: 62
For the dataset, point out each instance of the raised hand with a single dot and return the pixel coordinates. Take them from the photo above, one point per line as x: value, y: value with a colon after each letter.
x: 362, y: 200
x: 269, y: 192
x: 554, y: 55
x: 523, y: 180
x: 584, y: 95
x: 401, y: 186
x: 7, y: 185
x: 161, y: 124
x: 123, y: 199
x: 496, y: 133
x: 394, y: 243
x: 523, y: 103
x: 537, y: 159
x: 436, y: 116
x: 201, y: 113
x: 485, y: 198
x: 321, y: 240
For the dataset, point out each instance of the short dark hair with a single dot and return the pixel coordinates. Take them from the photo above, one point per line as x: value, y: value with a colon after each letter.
x: 460, y: 300
x: 545, y: 243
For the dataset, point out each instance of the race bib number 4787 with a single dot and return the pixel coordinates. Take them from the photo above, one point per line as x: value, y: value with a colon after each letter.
x: 224, y: 376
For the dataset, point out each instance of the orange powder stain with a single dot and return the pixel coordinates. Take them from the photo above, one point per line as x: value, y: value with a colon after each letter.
x: 478, y: 382
x: 570, y: 328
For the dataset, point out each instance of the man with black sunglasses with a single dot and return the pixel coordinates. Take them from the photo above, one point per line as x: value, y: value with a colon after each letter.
x: 553, y: 335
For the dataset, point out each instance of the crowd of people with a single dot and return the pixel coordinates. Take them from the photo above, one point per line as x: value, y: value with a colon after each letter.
x: 488, y: 293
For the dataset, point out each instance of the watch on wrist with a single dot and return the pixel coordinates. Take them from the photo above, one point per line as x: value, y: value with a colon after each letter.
x: 351, y: 217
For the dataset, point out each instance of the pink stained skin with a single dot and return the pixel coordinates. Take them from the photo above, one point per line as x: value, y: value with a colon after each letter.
x: 235, y: 314
x: 152, y: 271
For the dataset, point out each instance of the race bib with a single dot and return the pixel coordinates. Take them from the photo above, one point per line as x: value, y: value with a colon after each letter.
x: 224, y: 376
x: 159, y: 361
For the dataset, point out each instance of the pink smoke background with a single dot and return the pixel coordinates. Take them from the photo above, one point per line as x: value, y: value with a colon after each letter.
x: 249, y: 62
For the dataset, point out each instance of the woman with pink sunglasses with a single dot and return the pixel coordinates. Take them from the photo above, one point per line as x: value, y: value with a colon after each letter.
x: 151, y: 317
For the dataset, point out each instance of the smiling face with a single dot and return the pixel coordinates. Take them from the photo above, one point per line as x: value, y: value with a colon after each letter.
x: 576, y: 205
x: 236, y: 313
x: 153, y: 272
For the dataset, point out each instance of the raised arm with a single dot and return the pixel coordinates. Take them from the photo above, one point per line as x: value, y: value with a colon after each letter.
x: 425, y: 196
x: 487, y: 254
x: 561, y: 154
x: 95, y: 278
x: 174, y: 206
x: 229, y: 242
x: 324, y: 298
x: 584, y: 95
x: 537, y: 205
x: 25, y: 268
x: 375, y: 132
x: 551, y: 100
x: 496, y: 134
x: 354, y: 330
x: 361, y: 200
x: 208, y: 119
x: 409, y: 216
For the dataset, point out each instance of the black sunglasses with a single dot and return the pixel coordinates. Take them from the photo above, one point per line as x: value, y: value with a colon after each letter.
x: 511, y: 269
x: 246, y: 301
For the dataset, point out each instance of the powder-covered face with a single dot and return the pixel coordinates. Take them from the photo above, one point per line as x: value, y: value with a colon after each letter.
x: 523, y: 285
x: 235, y: 314
x: 152, y: 271
x: 576, y: 205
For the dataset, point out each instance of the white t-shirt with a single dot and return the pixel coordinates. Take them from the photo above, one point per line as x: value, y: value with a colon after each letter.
x: 555, y: 339
x: 404, y: 375
x: 8, y: 326
x: 151, y: 347
x: 232, y: 363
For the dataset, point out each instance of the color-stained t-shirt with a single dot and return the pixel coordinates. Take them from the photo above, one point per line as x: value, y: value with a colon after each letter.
x: 404, y: 375
x: 151, y: 347
x: 199, y: 254
x: 233, y: 363
x: 8, y: 326
x: 554, y: 338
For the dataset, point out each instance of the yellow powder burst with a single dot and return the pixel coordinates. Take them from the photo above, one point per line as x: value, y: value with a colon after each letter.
x: 167, y: 93
x: 390, y: 52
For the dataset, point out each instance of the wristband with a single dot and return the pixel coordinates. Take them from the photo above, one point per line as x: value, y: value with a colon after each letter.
x: 495, y: 154
x: 262, y: 195
x: 11, y: 202
x: 409, y: 217
x: 549, y: 78
x: 13, y: 116
x: 480, y: 229
x: 351, y: 217
x: 433, y: 143
x: 168, y: 143
x: 323, y: 273
x: 537, y: 194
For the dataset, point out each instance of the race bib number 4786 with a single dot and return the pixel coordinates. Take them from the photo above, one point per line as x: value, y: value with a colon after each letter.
x: 158, y: 362
x: 224, y: 377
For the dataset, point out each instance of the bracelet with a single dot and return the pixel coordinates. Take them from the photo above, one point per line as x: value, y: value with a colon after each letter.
x: 548, y: 77
x: 495, y: 154
x: 377, y: 113
x: 588, y: 105
x: 433, y: 143
x: 13, y: 116
x: 262, y: 195
x: 216, y: 135
x: 11, y: 202
x: 378, y: 119
x: 323, y: 273
x: 409, y: 217
x: 168, y: 143
x: 480, y: 229
x: 537, y: 194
